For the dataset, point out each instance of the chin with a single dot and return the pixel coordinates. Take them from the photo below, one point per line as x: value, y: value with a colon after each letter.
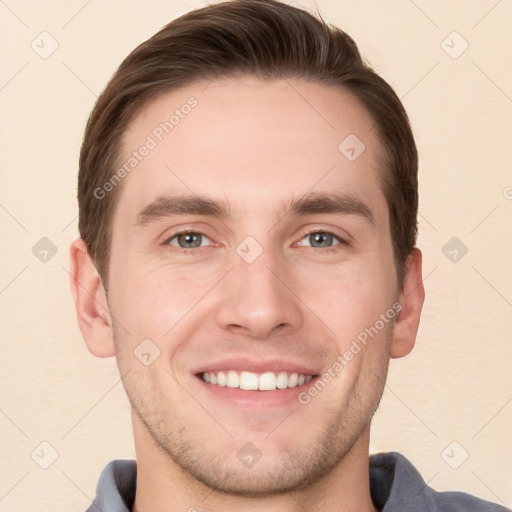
x: 267, y: 480
x: 275, y: 472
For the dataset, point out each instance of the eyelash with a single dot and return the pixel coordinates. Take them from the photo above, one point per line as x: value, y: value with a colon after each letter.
x: 333, y: 248
x: 314, y: 231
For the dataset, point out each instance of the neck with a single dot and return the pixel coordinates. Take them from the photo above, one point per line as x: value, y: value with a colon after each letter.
x: 162, y: 486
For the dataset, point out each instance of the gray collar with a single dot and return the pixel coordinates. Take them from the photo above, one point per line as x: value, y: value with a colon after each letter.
x: 395, y: 484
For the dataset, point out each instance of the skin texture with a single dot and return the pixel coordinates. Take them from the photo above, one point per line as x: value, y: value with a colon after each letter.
x: 255, y: 145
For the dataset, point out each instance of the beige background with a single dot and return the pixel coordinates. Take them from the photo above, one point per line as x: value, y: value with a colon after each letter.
x: 455, y: 387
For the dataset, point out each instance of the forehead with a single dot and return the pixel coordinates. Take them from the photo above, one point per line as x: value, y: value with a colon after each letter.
x: 251, y: 142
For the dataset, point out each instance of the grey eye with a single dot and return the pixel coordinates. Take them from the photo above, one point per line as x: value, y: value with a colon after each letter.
x: 321, y: 239
x: 189, y: 240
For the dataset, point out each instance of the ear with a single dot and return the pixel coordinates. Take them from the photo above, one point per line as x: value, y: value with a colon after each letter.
x: 90, y: 302
x: 411, y: 298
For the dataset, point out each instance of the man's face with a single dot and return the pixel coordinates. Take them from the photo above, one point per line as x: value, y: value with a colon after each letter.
x: 263, y: 289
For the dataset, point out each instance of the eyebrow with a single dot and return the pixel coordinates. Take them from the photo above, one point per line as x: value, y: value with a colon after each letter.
x: 334, y: 203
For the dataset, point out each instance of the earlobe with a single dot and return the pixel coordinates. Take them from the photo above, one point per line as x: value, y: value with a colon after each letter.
x: 411, y: 300
x: 90, y: 302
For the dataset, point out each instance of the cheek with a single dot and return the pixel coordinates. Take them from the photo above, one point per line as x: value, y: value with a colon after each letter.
x: 352, y: 298
x: 153, y: 299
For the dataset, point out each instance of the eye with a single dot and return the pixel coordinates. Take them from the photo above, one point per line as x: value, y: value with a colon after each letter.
x: 187, y: 240
x: 322, y: 239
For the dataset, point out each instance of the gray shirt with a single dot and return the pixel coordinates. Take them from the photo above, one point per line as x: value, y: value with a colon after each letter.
x: 395, y: 485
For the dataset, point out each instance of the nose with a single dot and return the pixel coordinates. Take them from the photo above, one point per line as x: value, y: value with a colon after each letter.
x: 258, y: 298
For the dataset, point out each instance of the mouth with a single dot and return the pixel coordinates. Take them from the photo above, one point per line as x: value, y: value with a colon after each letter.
x: 251, y: 381
x: 248, y: 383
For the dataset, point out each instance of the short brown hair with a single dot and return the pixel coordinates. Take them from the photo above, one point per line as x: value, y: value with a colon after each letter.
x: 265, y: 39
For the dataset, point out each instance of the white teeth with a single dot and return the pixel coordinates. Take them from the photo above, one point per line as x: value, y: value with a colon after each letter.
x: 232, y: 379
x: 282, y: 380
x: 221, y: 379
x: 248, y: 381
x: 268, y: 381
x: 293, y: 379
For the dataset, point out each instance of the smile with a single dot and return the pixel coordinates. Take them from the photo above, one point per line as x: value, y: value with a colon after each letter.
x: 249, y: 381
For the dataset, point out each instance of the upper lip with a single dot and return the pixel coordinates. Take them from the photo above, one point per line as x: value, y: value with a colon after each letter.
x: 246, y: 364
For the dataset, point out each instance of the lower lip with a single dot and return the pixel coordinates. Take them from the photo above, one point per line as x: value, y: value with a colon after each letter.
x: 243, y: 398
